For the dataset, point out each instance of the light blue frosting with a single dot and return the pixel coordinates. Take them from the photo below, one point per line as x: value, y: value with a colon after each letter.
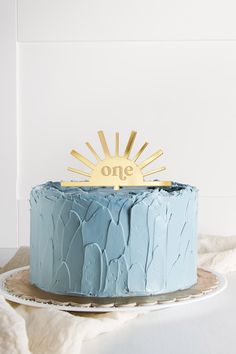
x: 101, y: 242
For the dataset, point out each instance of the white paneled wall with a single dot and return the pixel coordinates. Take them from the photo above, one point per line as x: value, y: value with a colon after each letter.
x: 73, y: 20
x: 179, y: 96
x: 165, y: 69
x: 8, y: 135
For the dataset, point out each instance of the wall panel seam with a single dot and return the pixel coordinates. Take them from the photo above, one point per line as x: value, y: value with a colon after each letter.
x: 131, y: 41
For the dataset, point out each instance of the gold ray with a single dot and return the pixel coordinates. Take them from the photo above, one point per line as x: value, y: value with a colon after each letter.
x: 130, y: 144
x: 93, y: 151
x: 104, y: 144
x: 117, y: 144
x: 140, y: 151
x: 83, y: 159
x: 157, y: 183
x: 78, y: 171
x: 101, y: 184
x: 159, y: 169
x: 150, y: 159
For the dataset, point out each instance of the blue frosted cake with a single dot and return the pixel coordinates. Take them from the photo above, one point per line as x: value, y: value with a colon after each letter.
x: 100, y: 242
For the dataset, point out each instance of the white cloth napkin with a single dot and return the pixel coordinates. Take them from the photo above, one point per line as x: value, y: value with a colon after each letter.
x: 217, y: 253
x: 25, y: 329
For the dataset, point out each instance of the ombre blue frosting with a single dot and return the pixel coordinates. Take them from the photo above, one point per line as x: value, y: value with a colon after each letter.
x: 101, y: 242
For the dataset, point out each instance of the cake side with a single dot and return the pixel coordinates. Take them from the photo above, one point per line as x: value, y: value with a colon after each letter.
x: 98, y: 242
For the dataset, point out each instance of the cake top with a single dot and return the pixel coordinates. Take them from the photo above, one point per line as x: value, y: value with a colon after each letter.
x: 54, y: 189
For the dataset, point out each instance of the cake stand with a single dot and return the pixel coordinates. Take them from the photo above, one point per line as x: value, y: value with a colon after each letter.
x: 15, y: 287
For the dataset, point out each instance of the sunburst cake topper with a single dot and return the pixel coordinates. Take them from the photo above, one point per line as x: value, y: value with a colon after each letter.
x: 118, y: 170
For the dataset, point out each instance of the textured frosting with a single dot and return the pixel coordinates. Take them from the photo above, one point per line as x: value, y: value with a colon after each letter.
x: 101, y: 242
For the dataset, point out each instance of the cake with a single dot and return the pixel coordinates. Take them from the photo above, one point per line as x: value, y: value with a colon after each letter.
x: 115, y: 234
x: 96, y: 241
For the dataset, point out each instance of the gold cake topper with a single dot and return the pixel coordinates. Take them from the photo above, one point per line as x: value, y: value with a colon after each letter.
x: 116, y: 171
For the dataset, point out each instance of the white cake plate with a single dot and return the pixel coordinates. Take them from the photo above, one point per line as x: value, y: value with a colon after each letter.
x: 15, y: 287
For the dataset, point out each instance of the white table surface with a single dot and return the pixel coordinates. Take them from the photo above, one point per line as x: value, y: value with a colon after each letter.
x: 206, y: 327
